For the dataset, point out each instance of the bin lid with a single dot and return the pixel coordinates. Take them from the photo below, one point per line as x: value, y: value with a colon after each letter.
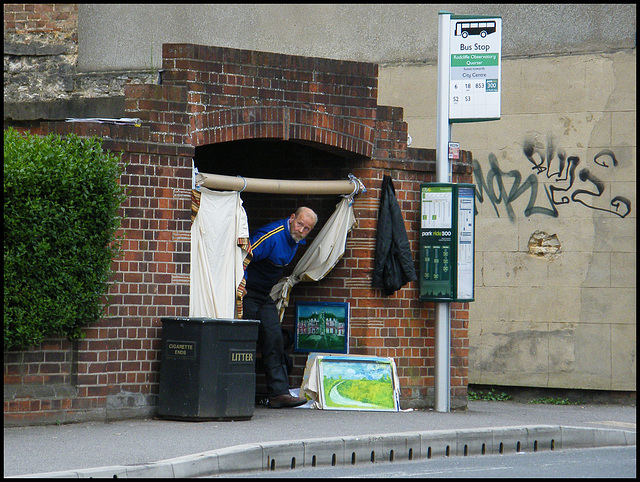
x: 174, y: 319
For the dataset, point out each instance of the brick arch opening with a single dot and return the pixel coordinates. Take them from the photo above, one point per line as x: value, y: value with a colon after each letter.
x: 279, y: 159
x: 287, y: 123
x: 269, y: 158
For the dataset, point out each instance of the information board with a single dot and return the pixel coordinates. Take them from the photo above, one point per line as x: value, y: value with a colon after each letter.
x: 475, y: 68
x: 465, y: 233
x: 435, y: 242
x: 447, y: 242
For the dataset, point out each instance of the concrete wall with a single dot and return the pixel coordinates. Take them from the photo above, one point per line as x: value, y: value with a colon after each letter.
x: 553, y: 311
x: 112, y: 37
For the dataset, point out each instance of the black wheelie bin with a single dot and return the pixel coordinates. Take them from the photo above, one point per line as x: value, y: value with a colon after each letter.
x: 207, y: 369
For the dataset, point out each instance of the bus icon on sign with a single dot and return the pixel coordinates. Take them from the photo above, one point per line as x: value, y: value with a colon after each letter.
x: 483, y: 29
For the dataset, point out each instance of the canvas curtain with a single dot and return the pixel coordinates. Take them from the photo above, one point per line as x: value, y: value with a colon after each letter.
x: 324, y: 253
x: 219, y: 247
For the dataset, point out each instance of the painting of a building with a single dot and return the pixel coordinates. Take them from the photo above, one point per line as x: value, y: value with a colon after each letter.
x: 321, y: 327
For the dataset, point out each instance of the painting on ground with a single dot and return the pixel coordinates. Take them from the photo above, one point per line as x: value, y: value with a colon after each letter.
x: 357, y: 384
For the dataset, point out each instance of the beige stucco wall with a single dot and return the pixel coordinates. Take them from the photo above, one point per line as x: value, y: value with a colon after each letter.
x: 130, y: 36
x: 567, y: 320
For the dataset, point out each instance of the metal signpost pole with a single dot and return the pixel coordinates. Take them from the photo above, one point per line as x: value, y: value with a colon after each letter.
x: 443, y: 134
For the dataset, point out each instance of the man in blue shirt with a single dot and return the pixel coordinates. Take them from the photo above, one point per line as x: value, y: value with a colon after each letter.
x: 273, y: 247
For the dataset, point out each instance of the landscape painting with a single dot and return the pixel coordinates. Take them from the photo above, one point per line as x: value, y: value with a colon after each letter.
x: 321, y: 327
x: 357, y: 384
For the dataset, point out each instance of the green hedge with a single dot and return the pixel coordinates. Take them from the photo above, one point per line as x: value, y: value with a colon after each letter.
x: 61, y: 202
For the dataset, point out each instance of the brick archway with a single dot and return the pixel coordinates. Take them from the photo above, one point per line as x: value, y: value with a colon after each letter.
x: 286, y: 123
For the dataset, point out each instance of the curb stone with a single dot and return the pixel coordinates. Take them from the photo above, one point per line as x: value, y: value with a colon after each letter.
x: 351, y: 450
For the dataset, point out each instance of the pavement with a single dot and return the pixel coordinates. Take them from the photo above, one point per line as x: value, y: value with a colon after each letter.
x: 285, y: 439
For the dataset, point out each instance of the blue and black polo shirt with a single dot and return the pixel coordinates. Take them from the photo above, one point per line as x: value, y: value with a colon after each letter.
x: 273, y: 249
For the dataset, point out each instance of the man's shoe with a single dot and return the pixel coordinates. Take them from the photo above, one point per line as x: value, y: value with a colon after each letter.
x: 285, y: 401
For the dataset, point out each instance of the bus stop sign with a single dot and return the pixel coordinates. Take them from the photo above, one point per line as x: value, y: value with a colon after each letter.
x: 475, y: 73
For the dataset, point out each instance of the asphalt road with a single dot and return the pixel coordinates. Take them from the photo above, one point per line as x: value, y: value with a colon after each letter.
x: 605, y: 462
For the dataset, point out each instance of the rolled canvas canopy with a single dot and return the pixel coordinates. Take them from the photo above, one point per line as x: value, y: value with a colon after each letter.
x: 278, y: 186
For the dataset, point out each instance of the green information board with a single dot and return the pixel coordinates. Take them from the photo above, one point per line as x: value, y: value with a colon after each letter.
x: 447, y: 242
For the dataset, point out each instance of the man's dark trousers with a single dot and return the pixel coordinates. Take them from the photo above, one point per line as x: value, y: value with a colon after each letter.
x: 260, y: 306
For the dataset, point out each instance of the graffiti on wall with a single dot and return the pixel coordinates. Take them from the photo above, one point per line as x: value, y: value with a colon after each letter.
x: 568, y: 184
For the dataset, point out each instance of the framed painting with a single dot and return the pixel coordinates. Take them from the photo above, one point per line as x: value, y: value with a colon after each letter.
x: 321, y: 327
x: 357, y: 384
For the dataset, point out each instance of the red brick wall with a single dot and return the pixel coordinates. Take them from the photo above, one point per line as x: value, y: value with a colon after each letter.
x: 236, y: 94
x: 41, y: 18
x: 241, y: 94
x: 211, y: 95
x: 119, y: 357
